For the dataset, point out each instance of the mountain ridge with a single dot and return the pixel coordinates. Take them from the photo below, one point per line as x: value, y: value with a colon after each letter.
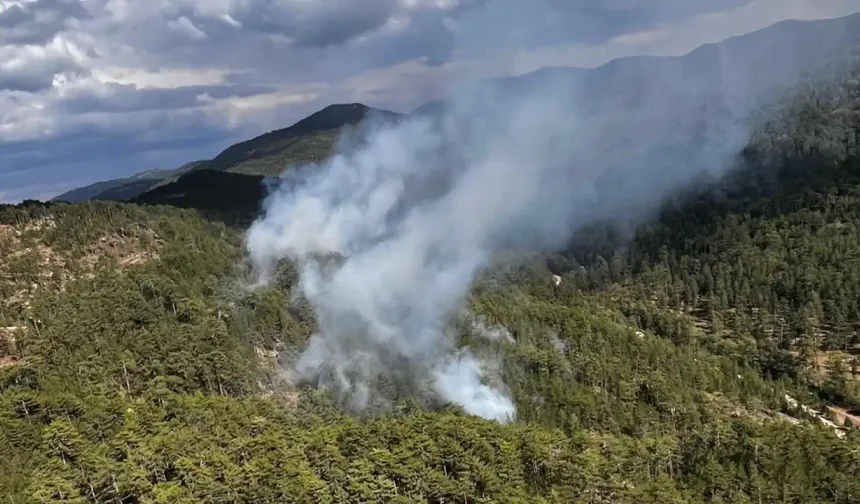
x: 607, y: 87
x: 330, y: 118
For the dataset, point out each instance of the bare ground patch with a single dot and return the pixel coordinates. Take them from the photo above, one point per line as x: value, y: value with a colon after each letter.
x: 30, y: 266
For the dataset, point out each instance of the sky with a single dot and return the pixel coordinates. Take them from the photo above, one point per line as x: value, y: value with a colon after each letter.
x: 98, y: 89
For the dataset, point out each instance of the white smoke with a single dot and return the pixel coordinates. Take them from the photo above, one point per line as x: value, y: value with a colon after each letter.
x: 458, y: 379
x: 478, y: 325
x: 389, y: 234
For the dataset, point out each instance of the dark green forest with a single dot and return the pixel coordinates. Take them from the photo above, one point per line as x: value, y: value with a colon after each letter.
x: 711, y: 356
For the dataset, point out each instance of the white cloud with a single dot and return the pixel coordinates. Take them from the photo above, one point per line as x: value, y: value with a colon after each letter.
x: 160, y: 79
x: 239, y: 109
x: 186, y: 27
x: 33, y: 67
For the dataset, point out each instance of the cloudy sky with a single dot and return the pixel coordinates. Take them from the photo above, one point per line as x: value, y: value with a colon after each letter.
x: 99, y: 89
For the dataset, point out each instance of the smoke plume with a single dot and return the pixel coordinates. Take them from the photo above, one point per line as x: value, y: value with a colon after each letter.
x: 389, y: 233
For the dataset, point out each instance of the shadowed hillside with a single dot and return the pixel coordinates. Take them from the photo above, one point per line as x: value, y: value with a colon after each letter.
x: 232, y: 197
x: 125, y: 188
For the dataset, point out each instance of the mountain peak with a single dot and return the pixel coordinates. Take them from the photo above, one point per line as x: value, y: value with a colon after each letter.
x: 330, y: 118
x: 335, y: 116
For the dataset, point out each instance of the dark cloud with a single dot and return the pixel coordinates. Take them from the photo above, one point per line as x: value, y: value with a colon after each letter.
x: 637, y: 12
x: 295, y: 41
x: 320, y: 24
x: 117, y: 98
x: 92, y: 153
x: 524, y: 25
x: 332, y: 23
x: 427, y: 38
x: 33, y: 73
x: 23, y: 82
x: 39, y: 21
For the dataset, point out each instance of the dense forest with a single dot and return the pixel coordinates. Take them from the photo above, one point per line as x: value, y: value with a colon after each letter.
x: 710, y: 357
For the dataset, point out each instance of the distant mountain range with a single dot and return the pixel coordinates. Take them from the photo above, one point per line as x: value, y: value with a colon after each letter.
x: 735, y: 72
x: 310, y: 139
x: 124, y: 188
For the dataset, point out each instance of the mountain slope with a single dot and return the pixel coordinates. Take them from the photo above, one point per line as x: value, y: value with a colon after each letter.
x: 311, y: 139
x: 232, y: 197
x: 97, y: 190
x: 125, y: 188
x: 742, y: 66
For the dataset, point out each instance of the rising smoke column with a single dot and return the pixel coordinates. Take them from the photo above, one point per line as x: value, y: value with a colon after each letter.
x: 390, y: 233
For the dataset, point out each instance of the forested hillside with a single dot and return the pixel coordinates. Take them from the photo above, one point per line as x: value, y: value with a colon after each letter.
x: 711, y: 357
x: 768, y: 256
x: 150, y: 380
